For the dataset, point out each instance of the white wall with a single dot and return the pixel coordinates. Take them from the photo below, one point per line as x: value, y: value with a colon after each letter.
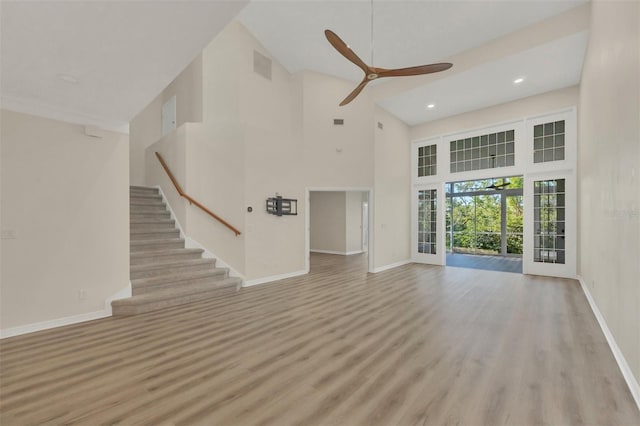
x: 146, y: 127
x: 65, y: 199
x: 335, y: 223
x: 327, y: 221
x: 609, y: 172
x: 392, y: 201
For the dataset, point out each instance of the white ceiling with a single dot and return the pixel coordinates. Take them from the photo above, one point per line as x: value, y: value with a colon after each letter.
x: 547, y: 67
x: 123, y: 53
x: 408, y: 33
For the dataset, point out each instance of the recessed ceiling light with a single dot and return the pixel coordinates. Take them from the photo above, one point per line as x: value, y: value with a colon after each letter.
x: 431, y: 106
x: 68, y: 78
x: 518, y: 80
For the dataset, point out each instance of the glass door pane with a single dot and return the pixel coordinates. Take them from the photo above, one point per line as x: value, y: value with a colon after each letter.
x: 488, y: 238
x: 463, y: 218
x: 515, y: 224
x: 549, y: 221
x: 427, y: 211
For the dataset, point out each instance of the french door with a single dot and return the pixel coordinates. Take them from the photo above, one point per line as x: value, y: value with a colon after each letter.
x: 427, y: 225
x: 550, y: 225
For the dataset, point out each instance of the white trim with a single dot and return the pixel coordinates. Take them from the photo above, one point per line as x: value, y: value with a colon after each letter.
x: 207, y: 254
x: 59, y: 322
x: 271, y: 278
x: 391, y: 266
x: 40, y: 109
x: 632, y: 382
x: 342, y: 253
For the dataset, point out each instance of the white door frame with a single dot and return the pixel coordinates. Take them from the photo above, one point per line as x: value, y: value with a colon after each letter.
x: 438, y: 258
x: 568, y: 269
x: 307, y: 214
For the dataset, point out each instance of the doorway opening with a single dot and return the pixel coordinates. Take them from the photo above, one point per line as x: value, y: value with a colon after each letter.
x: 484, y: 223
x: 338, y: 227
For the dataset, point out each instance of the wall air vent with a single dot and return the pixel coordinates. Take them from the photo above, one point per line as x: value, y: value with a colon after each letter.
x: 338, y: 121
x: 261, y: 65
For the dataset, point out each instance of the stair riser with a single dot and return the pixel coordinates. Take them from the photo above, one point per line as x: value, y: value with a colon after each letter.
x: 143, y: 189
x: 149, y: 216
x: 136, y: 290
x: 143, y: 196
x: 151, y: 259
x: 156, y: 247
x: 150, y: 307
x: 215, y: 274
x: 146, y: 202
x: 148, y: 209
x: 165, y: 235
x: 166, y: 226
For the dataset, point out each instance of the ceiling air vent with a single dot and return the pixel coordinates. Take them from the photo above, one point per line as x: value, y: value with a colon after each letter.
x: 338, y: 121
x: 261, y: 65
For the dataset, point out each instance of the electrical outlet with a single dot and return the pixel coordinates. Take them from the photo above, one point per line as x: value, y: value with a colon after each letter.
x: 82, y: 294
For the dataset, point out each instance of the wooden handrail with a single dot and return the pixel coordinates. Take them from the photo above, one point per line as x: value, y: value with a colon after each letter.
x: 191, y: 200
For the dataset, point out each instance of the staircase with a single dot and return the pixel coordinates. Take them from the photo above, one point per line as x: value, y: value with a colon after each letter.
x: 163, y: 272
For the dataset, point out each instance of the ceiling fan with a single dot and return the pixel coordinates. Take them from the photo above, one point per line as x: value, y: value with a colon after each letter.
x: 499, y: 186
x: 372, y: 73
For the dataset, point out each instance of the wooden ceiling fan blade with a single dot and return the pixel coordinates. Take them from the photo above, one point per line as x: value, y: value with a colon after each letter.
x: 355, y: 92
x: 345, y: 50
x: 419, y: 70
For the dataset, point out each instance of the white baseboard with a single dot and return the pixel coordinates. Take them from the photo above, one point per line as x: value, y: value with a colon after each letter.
x: 341, y: 253
x: 45, y: 325
x: 220, y: 263
x: 122, y: 294
x: 265, y: 280
x: 391, y: 266
x: 632, y: 382
x: 191, y: 243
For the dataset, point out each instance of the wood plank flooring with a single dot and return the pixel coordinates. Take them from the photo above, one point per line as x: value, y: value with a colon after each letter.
x: 416, y: 345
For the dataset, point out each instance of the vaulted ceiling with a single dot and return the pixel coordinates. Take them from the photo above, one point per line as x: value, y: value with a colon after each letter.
x: 103, y: 61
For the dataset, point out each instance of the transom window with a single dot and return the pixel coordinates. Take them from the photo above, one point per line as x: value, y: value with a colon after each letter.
x: 427, y: 161
x: 548, y: 142
x: 488, y: 151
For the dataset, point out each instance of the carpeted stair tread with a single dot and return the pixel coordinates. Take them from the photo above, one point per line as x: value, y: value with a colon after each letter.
x: 155, y: 235
x: 147, y: 202
x: 153, y: 220
x: 172, y: 297
x: 159, y: 229
x: 149, y: 216
x: 147, y: 208
x: 145, y: 189
x: 171, y: 268
x: 162, y: 271
x: 161, y: 256
x: 137, y: 246
x: 144, y: 196
x: 215, y: 278
x: 214, y: 273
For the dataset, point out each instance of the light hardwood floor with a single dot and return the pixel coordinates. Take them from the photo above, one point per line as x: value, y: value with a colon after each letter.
x: 416, y: 345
